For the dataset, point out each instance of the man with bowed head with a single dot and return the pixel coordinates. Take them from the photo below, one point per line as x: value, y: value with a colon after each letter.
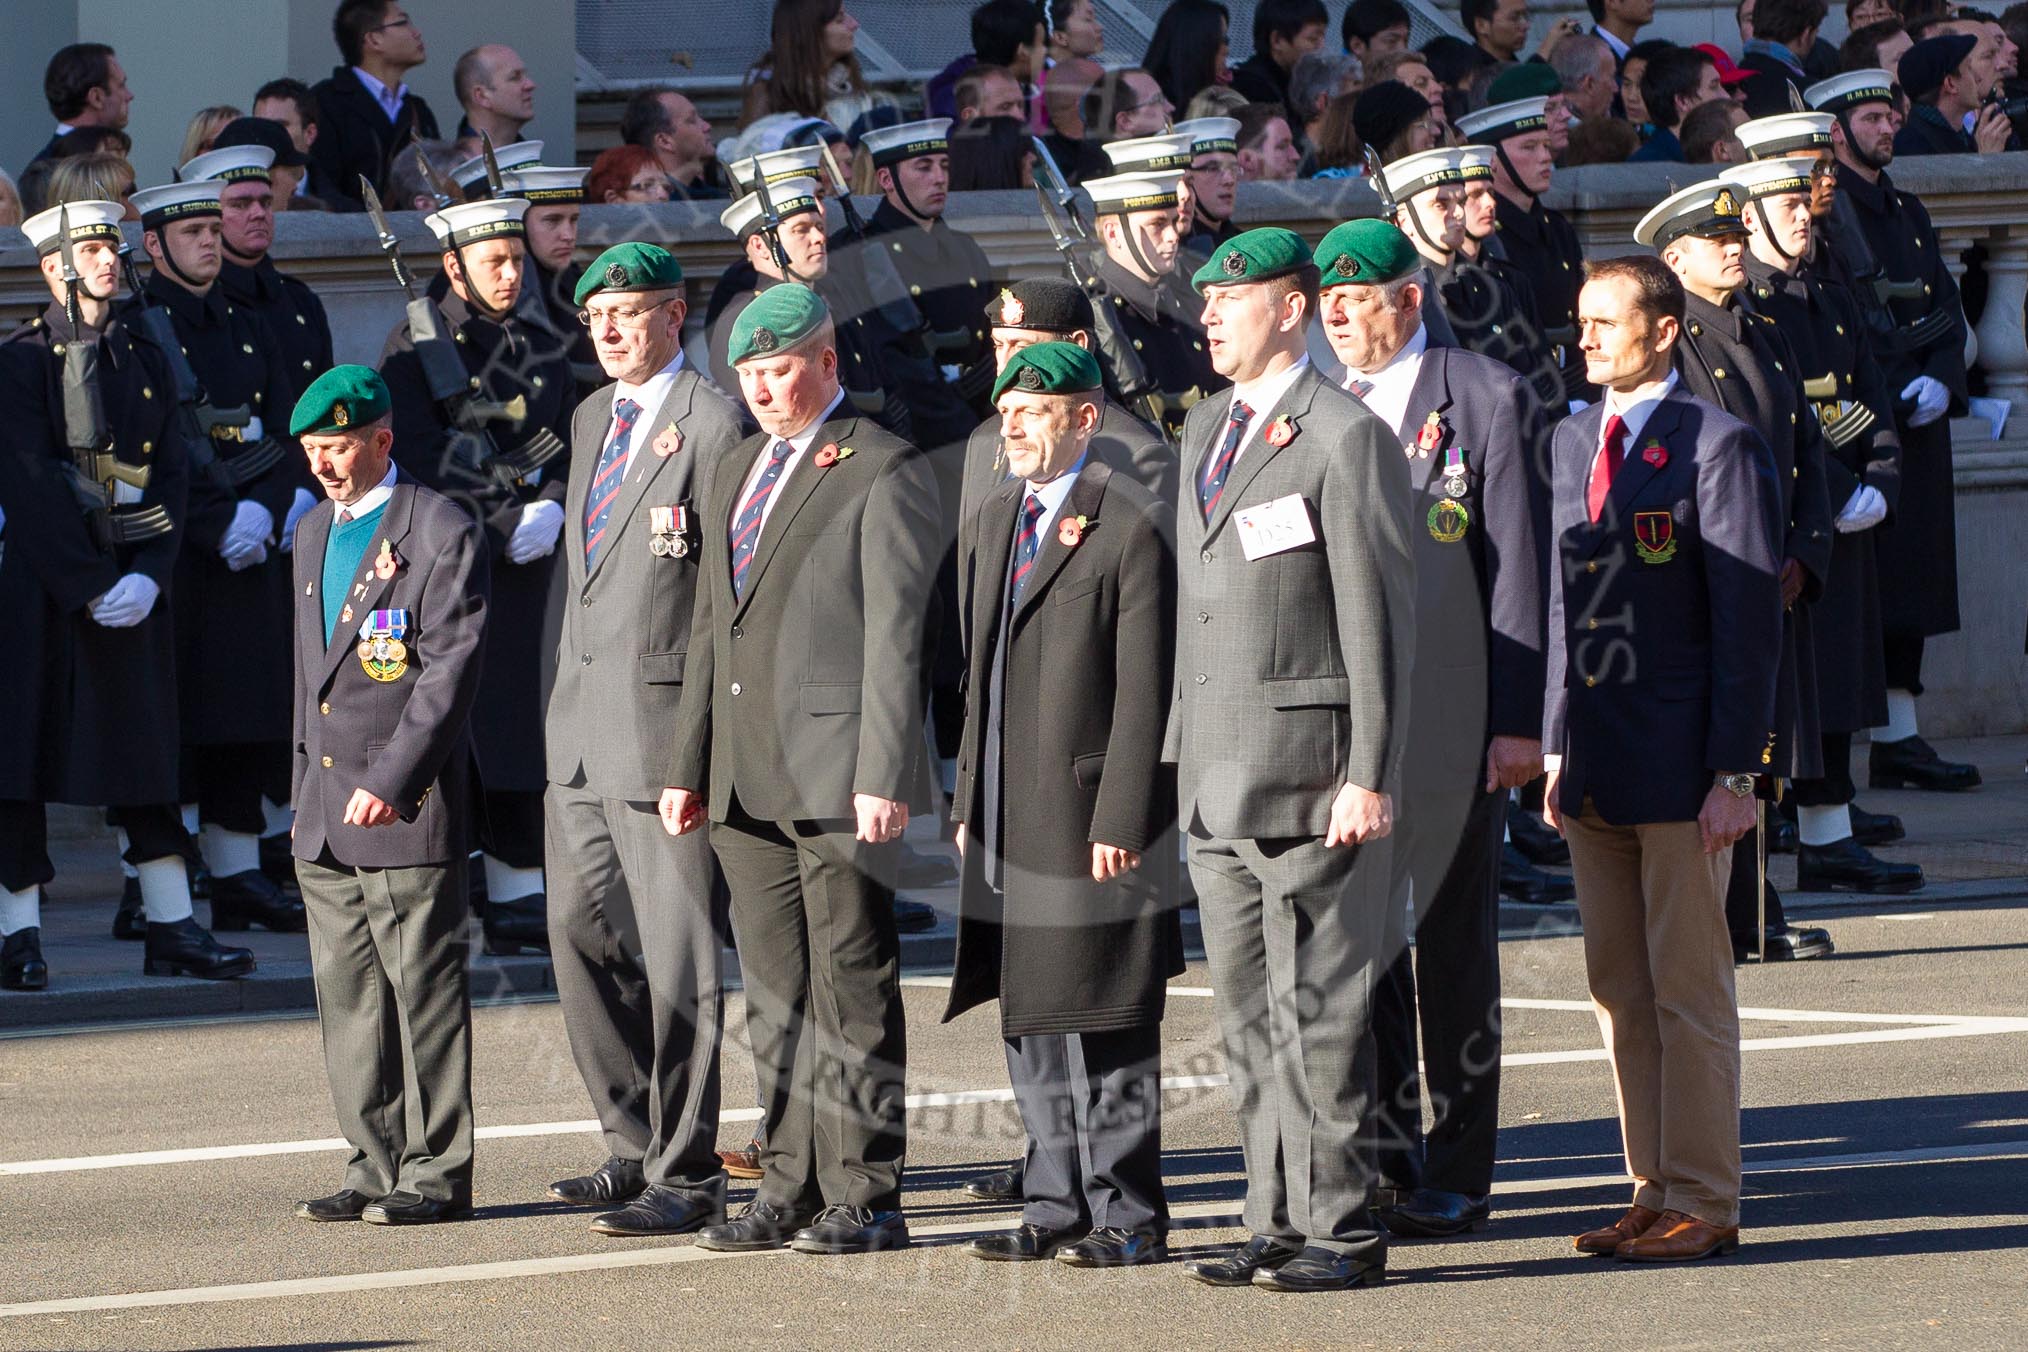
x: 799, y: 737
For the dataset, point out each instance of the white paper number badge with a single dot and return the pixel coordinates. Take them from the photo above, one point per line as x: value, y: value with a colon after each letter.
x: 1274, y: 527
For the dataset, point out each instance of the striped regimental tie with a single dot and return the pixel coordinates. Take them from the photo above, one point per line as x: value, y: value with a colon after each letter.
x: 1216, y: 467
x: 1027, y: 544
x: 746, y: 527
x: 606, y: 479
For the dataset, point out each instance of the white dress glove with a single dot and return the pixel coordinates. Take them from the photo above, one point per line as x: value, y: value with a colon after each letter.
x: 1932, y: 400
x: 1865, y: 510
x: 305, y: 500
x: 245, y: 541
x: 127, y: 602
x: 541, y: 523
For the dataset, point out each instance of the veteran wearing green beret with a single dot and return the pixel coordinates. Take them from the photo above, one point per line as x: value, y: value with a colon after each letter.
x: 1472, y: 434
x: 633, y: 936
x: 1292, y: 664
x: 391, y: 614
x: 1067, y: 901
x: 799, y: 742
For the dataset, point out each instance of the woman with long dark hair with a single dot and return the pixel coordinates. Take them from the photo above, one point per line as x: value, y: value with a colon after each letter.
x: 1189, y: 49
x: 810, y: 66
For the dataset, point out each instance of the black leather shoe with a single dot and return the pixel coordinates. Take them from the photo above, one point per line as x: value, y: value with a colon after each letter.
x: 762, y: 1225
x: 406, y: 1208
x: 1782, y: 835
x: 1002, y: 1186
x: 1524, y: 882
x: 920, y: 869
x: 1389, y: 1194
x: 1849, y: 866
x: 660, y: 1210
x: 1912, y: 763
x: 242, y: 900
x: 1874, y: 828
x: 1023, y: 1244
x: 1433, y: 1214
x: 1316, y: 1269
x: 131, y: 920
x: 1109, y: 1246
x: 852, y: 1229
x: 343, y: 1205
x: 1791, y: 943
x: 512, y: 926
x: 278, y: 862
x: 1537, y: 843
x: 21, y: 964
x: 616, y: 1180
x: 912, y: 917
x: 186, y: 948
x: 1236, y: 1266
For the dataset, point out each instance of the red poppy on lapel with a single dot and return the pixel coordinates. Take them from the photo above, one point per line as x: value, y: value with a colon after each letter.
x: 387, y: 562
x: 1071, y: 529
x: 1281, y: 431
x: 830, y: 453
x: 670, y: 442
x: 1654, y: 454
x: 1432, y: 434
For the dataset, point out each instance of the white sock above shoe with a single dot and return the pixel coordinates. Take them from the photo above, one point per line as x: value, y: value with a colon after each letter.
x: 510, y: 884
x: 229, y: 852
x: 1824, y: 825
x: 20, y: 910
x: 1900, y: 725
x: 165, y: 889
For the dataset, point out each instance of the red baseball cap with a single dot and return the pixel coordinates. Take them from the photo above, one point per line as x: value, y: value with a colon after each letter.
x: 1730, y: 72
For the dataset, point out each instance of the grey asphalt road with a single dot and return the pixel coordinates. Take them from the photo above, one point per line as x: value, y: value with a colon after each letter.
x: 1887, y: 1202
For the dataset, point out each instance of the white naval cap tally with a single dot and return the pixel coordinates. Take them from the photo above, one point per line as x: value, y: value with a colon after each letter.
x: 1842, y: 93
x: 1476, y: 162
x: 471, y: 174
x: 791, y: 197
x: 472, y: 222
x: 177, y: 202
x: 1771, y: 178
x: 89, y: 220
x: 1125, y: 194
x: 1767, y: 138
x: 776, y: 166
x: 910, y: 140
x: 1517, y: 117
x: 1426, y: 169
x: 234, y: 164
x: 545, y: 185
x: 1210, y: 134
x: 1149, y: 154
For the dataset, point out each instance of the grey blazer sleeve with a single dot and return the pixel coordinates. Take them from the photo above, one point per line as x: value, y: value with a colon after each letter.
x: 899, y: 553
x: 1364, y: 517
x: 1555, y: 698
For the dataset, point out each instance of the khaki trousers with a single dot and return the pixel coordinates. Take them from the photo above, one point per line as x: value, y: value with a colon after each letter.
x: 1659, y: 960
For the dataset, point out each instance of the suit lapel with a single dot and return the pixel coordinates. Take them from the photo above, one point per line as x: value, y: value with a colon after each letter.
x: 1259, y: 451
x: 791, y: 495
x: 1431, y: 394
x: 1083, y: 500
x: 647, y: 462
x: 995, y: 548
x: 363, y: 594
x: 1635, y: 471
x: 313, y: 536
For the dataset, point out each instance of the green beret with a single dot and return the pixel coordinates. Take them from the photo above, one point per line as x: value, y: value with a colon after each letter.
x: 1528, y: 80
x: 341, y: 399
x: 775, y: 321
x: 630, y: 267
x: 1253, y: 256
x: 1365, y: 252
x: 1049, y: 368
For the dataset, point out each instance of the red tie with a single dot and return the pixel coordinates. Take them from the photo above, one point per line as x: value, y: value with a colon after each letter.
x: 1606, y: 466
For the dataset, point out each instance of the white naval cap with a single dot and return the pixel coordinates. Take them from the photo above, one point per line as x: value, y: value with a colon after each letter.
x: 1476, y: 162
x: 1771, y: 178
x: 234, y: 164
x: 471, y: 174
x: 1144, y: 154
x: 470, y: 222
x: 790, y: 196
x: 1706, y: 209
x: 177, y: 201
x: 907, y: 141
x: 1209, y: 135
x: 1123, y: 194
x: 777, y: 166
x: 1517, y: 117
x: 1766, y: 138
x: 88, y: 220
x: 1842, y: 93
x: 1426, y: 169
x: 545, y: 185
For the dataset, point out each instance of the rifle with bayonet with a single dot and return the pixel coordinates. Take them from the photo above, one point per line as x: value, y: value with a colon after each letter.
x: 771, y: 222
x: 1081, y: 254
x: 94, y: 469
x: 892, y: 304
x: 201, y: 420
x: 450, y: 387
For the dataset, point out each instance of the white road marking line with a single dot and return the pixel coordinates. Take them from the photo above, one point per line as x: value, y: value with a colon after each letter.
x: 1205, y: 1215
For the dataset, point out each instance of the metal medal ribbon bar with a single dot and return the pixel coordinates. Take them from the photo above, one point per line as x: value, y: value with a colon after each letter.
x: 669, y: 526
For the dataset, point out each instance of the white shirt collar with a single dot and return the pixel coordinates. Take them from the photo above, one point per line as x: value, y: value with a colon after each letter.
x: 1052, y: 494
x: 1635, y: 409
x: 1394, y: 382
x: 388, y: 99
x: 373, y: 499
x: 650, y: 393
x: 798, y: 445
x: 801, y: 441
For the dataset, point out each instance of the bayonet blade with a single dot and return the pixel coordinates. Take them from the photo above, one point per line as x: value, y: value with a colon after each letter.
x: 1378, y: 177
x: 771, y: 221
x: 434, y: 181
x: 495, y: 186
x: 388, y: 244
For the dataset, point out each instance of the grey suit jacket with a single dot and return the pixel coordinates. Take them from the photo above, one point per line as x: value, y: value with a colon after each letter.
x: 1292, y: 670
x: 626, y: 620
x: 405, y: 740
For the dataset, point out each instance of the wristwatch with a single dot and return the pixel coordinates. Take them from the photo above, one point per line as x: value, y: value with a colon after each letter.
x: 1739, y: 786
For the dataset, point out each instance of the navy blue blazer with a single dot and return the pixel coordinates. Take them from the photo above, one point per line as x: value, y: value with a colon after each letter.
x: 1664, y: 615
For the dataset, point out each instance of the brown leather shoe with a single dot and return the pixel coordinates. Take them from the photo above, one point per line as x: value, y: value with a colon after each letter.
x: 742, y: 1163
x: 1677, y: 1238
x: 1608, y: 1240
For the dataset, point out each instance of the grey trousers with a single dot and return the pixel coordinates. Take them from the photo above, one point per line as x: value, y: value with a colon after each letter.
x: 388, y: 950
x: 635, y: 929
x: 1294, y: 937
x: 1092, y: 1106
x: 813, y: 911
